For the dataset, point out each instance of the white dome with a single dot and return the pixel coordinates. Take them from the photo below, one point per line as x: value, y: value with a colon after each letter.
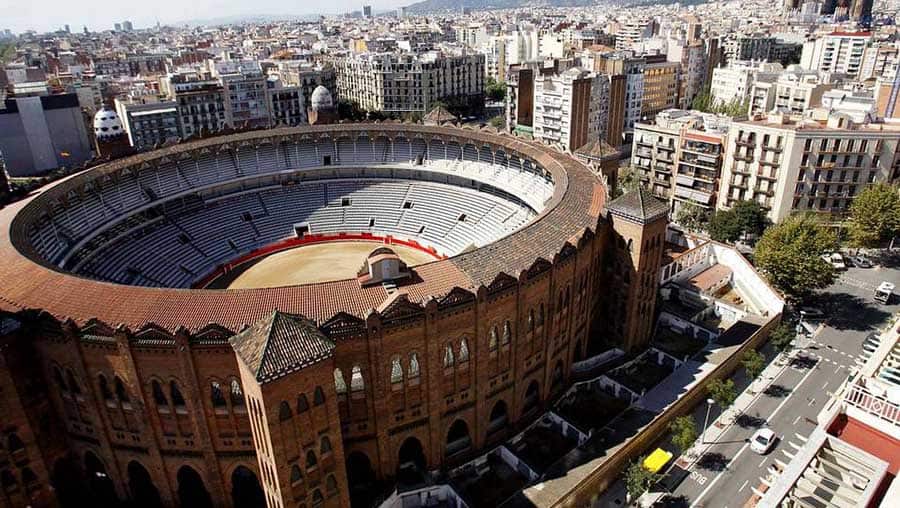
x: 107, y: 124
x: 321, y: 99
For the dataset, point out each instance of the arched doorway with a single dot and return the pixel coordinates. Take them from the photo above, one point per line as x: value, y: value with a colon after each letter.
x: 68, y: 482
x: 499, y: 419
x: 411, y: 463
x: 246, y: 491
x: 458, y: 439
x: 144, y: 493
x: 100, y: 483
x: 532, y: 397
x: 361, y: 478
x: 192, y: 492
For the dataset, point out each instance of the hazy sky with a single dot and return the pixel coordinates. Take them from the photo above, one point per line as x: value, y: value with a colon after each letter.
x: 46, y: 15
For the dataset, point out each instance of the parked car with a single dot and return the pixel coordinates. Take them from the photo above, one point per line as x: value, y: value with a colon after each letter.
x: 762, y: 440
x: 811, y: 313
x: 861, y: 261
x: 836, y: 260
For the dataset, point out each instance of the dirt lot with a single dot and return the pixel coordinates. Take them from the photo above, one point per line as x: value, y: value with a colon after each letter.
x: 311, y: 263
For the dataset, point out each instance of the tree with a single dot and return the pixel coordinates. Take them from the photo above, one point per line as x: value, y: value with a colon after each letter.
x: 722, y: 392
x: 753, y: 363
x: 782, y: 336
x: 874, y: 215
x: 627, y: 180
x: 702, y: 102
x: 498, y: 122
x: 724, y: 226
x: 638, y: 479
x: 684, y: 432
x: 495, y: 90
x: 693, y: 217
x: 790, y: 255
x: 745, y: 218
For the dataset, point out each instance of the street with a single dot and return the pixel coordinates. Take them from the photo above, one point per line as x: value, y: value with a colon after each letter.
x: 724, y: 475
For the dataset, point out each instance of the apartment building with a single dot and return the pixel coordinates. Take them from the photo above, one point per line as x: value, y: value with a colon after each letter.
x: 734, y: 82
x: 408, y: 83
x: 880, y: 60
x: 662, y: 81
x: 148, y: 124
x: 693, y: 59
x: 200, y: 100
x: 818, y: 162
x: 633, y: 31
x: 626, y: 75
x: 287, y: 104
x: 679, y: 156
x: 245, y: 92
x: 794, y: 91
x: 838, y: 52
x: 571, y: 108
x: 761, y: 47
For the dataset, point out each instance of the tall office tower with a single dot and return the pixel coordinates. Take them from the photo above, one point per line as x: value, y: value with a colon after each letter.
x: 117, y: 27
x: 127, y: 26
x: 67, y: 29
x: 571, y: 108
x: 367, y: 11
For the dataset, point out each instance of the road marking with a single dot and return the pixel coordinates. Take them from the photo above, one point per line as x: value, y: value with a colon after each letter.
x: 763, y: 461
x: 794, y: 422
x: 812, y: 401
x: 837, y: 369
x: 826, y: 384
x: 746, y: 445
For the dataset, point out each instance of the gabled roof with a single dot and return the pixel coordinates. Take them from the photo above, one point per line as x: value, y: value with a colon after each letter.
x: 638, y: 206
x: 280, y: 344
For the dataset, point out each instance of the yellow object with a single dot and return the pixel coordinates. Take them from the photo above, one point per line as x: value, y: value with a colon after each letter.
x: 656, y: 460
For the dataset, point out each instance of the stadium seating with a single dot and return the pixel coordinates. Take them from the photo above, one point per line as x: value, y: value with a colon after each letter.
x: 207, y: 209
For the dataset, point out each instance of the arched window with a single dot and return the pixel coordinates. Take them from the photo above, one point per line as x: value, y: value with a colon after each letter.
x: 158, y: 396
x: 448, y: 355
x: 237, y: 394
x: 507, y: 333
x: 284, y: 411
x: 413, y: 366
x: 339, y: 385
x: 324, y: 445
x: 357, y: 384
x: 540, y: 316
x: 121, y: 393
x: 531, y: 320
x: 317, y: 499
x: 296, y: 475
x: 218, y: 400
x: 463, y: 350
x: 318, y: 396
x: 310, y: 459
x: 492, y: 342
x: 330, y: 484
x: 177, y: 398
x: 14, y: 443
x: 396, y: 370
x: 58, y: 379
x: 74, y: 387
x: 302, y: 403
x: 105, y: 392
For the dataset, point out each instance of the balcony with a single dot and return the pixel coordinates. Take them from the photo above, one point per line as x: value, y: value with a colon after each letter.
x: 745, y: 142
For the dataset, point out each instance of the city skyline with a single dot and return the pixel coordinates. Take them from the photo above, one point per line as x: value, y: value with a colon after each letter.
x: 54, y: 15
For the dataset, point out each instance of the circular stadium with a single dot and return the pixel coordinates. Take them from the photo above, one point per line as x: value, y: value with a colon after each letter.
x: 364, y: 299
x: 188, y: 216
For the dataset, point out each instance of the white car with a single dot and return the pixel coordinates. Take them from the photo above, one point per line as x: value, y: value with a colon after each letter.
x: 835, y: 260
x: 762, y: 441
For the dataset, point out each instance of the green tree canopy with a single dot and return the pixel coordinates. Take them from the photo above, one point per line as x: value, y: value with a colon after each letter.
x: 782, y: 336
x: 627, y: 180
x: 790, y: 256
x: 684, y: 432
x: 638, y: 479
x: 743, y: 218
x: 722, y: 392
x: 874, y: 215
x: 495, y: 90
x: 692, y: 217
x: 753, y: 363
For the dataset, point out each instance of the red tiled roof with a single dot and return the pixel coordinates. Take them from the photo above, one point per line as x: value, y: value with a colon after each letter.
x: 27, y: 281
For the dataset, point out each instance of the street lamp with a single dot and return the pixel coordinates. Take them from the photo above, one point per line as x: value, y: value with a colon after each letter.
x: 709, y: 403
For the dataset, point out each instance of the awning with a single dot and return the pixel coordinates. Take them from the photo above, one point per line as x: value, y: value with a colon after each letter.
x: 657, y: 460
